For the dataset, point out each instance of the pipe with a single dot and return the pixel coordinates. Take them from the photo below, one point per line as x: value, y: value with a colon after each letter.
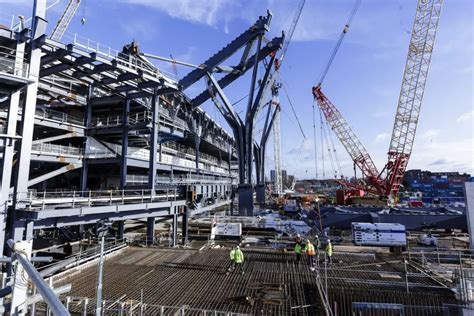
x: 51, y: 299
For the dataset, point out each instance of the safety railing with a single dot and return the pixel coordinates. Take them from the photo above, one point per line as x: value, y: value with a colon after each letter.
x: 41, y: 200
x: 58, y: 116
x: 103, y: 152
x: 59, y: 150
x: 134, y: 179
x: 88, y: 254
x: 7, y: 19
x: 193, y: 179
x: 109, y: 53
x: 10, y: 64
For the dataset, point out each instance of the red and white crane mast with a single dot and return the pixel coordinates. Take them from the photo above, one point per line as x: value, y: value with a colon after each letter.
x: 411, y: 94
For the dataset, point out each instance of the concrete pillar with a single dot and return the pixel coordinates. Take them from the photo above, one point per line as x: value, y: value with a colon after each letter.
x: 245, y: 192
x: 150, y: 230
x: 469, y: 198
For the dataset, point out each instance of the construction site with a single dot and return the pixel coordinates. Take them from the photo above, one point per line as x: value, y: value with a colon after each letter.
x: 133, y: 184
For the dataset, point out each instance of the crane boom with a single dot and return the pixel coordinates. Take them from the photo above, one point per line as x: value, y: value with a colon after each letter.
x: 411, y: 93
x: 346, y: 135
x: 65, y: 20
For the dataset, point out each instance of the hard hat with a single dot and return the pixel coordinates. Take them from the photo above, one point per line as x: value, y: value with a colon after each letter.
x: 298, y: 235
x: 329, y: 240
x: 237, y: 247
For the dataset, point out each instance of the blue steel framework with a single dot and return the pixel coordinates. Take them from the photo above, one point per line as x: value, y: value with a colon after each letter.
x: 108, y: 118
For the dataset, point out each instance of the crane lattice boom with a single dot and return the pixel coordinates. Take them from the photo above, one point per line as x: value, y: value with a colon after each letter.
x: 346, y: 135
x: 411, y: 94
x: 65, y: 19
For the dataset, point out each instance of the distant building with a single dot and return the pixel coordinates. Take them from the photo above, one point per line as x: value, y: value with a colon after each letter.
x: 273, y: 176
x: 284, y: 177
x: 436, y: 187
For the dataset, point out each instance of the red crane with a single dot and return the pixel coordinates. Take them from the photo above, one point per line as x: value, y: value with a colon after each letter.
x: 417, y: 65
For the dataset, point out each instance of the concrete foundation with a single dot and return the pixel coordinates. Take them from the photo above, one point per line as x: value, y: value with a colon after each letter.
x: 245, y: 192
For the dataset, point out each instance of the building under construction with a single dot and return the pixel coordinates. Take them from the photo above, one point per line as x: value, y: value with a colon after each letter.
x: 120, y: 195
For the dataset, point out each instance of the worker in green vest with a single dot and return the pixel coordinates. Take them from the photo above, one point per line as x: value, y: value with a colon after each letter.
x: 239, y: 259
x: 232, y: 259
x: 329, y: 251
x: 298, y: 250
x: 310, y: 252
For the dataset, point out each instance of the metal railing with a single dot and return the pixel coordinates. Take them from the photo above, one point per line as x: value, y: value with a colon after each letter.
x: 59, y: 116
x: 193, y: 179
x: 59, y: 150
x: 36, y: 201
x: 9, y: 63
x: 7, y: 19
x: 109, y: 53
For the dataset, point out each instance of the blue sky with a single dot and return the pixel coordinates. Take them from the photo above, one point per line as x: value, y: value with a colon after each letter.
x: 364, y: 81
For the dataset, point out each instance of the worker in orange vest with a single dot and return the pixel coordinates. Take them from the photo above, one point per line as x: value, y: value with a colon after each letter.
x: 310, y: 252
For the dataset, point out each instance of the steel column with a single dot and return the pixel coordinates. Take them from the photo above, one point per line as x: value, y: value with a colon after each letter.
x: 184, y: 225
x: 120, y: 229
x: 150, y: 230
x: 154, y: 140
x: 174, y: 233
x: 125, y: 127
x: 87, y: 120
x: 6, y: 163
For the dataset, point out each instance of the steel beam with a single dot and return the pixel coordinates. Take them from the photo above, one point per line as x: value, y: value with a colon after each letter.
x: 53, y: 174
x: 271, y: 47
x: 242, y: 40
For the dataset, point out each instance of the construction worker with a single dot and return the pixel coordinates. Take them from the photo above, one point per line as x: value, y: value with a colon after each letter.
x: 329, y: 251
x: 310, y: 252
x: 298, y: 250
x: 239, y: 259
x: 232, y: 259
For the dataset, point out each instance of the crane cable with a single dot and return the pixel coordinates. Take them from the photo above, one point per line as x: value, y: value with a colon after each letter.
x: 324, y: 136
x: 339, y: 41
x: 330, y: 133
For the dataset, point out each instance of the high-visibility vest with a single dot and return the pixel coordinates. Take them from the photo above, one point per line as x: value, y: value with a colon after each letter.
x: 238, y: 256
x: 310, y: 249
x: 232, y: 254
x: 298, y: 249
x: 329, y: 249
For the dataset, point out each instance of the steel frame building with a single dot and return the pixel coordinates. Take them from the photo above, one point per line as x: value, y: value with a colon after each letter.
x: 125, y: 139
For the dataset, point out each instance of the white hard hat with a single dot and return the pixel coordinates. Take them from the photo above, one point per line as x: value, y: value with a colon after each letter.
x: 238, y: 247
x: 329, y: 240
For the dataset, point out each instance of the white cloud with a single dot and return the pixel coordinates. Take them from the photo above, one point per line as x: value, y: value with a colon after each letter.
x: 430, y: 134
x: 444, y: 156
x: 202, y: 11
x: 381, y: 137
x: 465, y: 116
